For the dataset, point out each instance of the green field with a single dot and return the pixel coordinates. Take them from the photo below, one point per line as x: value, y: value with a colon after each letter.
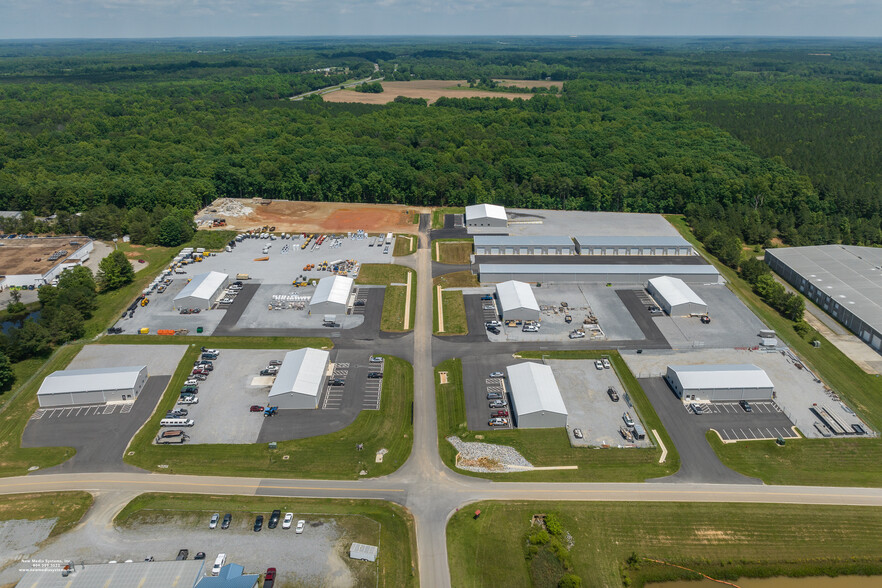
x: 405, y: 244
x: 438, y: 215
x: 463, y: 279
x: 453, y: 251
x: 69, y: 507
x: 331, y: 456
x: 360, y: 520
x: 725, y: 541
x: 845, y: 460
x: 381, y: 274
x: 551, y: 447
x: 455, y: 322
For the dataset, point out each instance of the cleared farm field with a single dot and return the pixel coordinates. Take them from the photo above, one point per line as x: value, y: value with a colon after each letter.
x: 431, y: 90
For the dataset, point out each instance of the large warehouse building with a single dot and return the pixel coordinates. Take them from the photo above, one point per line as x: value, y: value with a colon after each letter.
x: 300, y: 379
x: 667, y: 245
x: 516, y: 301
x: 486, y: 216
x: 594, y: 273
x: 720, y: 383
x: 844, y: 280
x: 536, y: 402
x: 92, y: 386
x: 331, y: 295
x: 675, y: 297
x: 202, y: 290
x: 505, y: 245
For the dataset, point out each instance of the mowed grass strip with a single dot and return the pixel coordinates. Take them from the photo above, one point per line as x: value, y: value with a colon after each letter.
x: 828, y: 462
x: 405, y: 244
x: 452, y: 251
x: 439, y: 213
x: 551, y: 447
x: 453, y: 305
x: 331, y: 456
x: 725, y: 541
x: 360, y: 519
x: 463, y: 279
x: 69, y: 507
x: 381, y: 274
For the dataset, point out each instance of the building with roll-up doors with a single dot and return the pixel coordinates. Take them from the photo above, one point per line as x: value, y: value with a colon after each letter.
x: 486, y: 215
x: 720, y: 383
x: 516, y: 301
x: 301, y: 379
x: 675, y: 297
x: 331, y: 295
x: 609, y: 245
x: 489, y: 273
x: 533, y: 245
x: 201, y: 291
x: 536, y: 402
x: 92, y: 386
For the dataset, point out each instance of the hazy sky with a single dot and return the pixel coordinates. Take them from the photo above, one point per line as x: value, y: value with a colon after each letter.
x: 172, y: 18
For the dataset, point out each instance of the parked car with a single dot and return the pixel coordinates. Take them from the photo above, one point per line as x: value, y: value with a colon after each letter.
x: 228, y: 518
x: 176, y: 414
x: 256, y: 408
x: 577, y: 334
x: 493, y: 330
x: 696, y: 408
x: 489, y: 307
x: 746, y: 406
x: 199, y: 555
x: 493, y: 396
x: 258, y: 523
x: 375, y: 375
x: 300, y: 524
x: 498, y: 422
x: 577, y: 433
x: 269, y: 579
x: 486, y: 297
x: 530, y: 329
x: 212, y: 351
x: 286, y: 522
x: 219, y: 562
x: 499, y: 413
x: 606, y: 364
x: 492, y: 324
x: 337, y: 382
x: 208, y: 356
x: 628, y: 420
x: 613, y: 394
x: 497, y: 375
x: 274, y: 362
x: 498, y: 404
x: 598, y: 364
x: 188, y: 399
x: 189, y: 390
x: 274, y: 519
x: 182, y: 555
x: 268, y: 372
x: 214, y: 519
x: 193, y: 382
x: 376, y: 359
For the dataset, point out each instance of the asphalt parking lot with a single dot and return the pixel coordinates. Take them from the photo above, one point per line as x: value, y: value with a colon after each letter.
x: 477, y: 383
x: 161, y: 314
x: 765, y: 421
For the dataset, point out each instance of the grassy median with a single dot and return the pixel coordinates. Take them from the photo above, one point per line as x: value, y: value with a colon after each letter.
x: 331, y: 456
x: 405, y: 244
x: 551, y: 447
x: 69, y: 507
x: 382, y: 274
x: 452, y: 251
x: 368, y: 521
x: 725, y: 541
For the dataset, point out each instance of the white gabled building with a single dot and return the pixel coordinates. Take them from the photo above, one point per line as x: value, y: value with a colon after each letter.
x: 516, y: 301
x: 202, y: 290
x: 486, y: 215
x: 675, y: 297
x: 720, y: 383
x: 331, y: 295
x: 300, y: 380
x: 536, y: 402
x: 92, y: 386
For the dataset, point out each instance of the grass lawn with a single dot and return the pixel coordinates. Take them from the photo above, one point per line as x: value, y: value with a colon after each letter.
x: 551, y: 447
x: 797, y: 462
x: 330, y: 456
x: 361, y: 520
x: 69, y: 507
x: 455, y: 322
x: 382, y: 274
x: 463, y: 279
x: 456, y: 251
x: 438, y: 215
x: 405, y: 244
x: 725, y: 541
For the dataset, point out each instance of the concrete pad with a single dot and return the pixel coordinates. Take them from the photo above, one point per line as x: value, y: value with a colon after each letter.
x: 257, y: 314
x: 574, y: 223
x: 161, y: 360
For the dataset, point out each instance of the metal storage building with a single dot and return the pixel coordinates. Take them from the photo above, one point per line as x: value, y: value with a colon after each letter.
x: 92, y: 386
x: 506, y: 245
x: 675, y: 297
x: 595, y: 273
x: 536, y: 402
x: 300, y: 379
x: 720, y: 382
x: 516, y: 301
x: 143, y: 574
x: 202, y: 290
x: 486, y: 215
x: 331, y: 295
x: 667, y: 245
x: 844, y: 280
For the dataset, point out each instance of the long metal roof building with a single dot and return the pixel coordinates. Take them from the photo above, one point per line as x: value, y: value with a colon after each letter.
x: 633, y: 245
x: 154, y: 574
x: 720, y: 382
x: 535, y: 398
x: 595, y: 273
x: 331, y: 294
x: 675, y: 297
x: 527, y: 245
x: 91, y: 386
x: 201, y: 290
x: 844, y: 280
x: 299, y: 381
x: 516, y: 301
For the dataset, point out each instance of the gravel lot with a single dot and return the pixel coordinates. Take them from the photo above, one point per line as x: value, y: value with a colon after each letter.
x: 487, y: 457
x: 17, y: 541
x: 257, y: 314
x: 160, y: 313
x: 161, y: 360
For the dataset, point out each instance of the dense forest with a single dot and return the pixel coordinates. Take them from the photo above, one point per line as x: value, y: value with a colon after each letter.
x: 754, y: 140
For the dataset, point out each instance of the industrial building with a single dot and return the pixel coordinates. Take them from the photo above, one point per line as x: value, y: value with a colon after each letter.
x: 143, y: 574
x: 536, y: 402
x: 516, y: 301
x: 720, y: 383
x: 675, y: 297
x: 331, y: 295
x: 486, y: 215
x: 844, y: 280
x: 92, y: 386
x: 38, y: 261
x: 202, y: 291
x: 667, y: 245
x: 299, y: 381
x: 537, y: 245
x: 595, y: 273
x: 230, y: 576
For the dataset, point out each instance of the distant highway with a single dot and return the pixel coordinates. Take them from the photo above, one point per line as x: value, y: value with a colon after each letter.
x: 329, y: 89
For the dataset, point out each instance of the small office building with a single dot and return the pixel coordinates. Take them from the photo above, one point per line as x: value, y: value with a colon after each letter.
x: 92, y: 386
x: 720, y: 383
x: 486, y: 215
x: 536, y: 402
x: 516, y: 301
x: 202, y: 291
x: 300, y: 380
x: 331, y: 295
x: 675, y: 297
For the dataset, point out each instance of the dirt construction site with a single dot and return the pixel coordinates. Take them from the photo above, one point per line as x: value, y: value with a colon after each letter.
x: 242, y: 214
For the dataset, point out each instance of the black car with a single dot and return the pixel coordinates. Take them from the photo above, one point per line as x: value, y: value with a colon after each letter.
x: 375, y: 374
x: 200, y: 555
x: 176, y: 414
x: 337, y: 382
x: 746, y: 406
x: 274, y: 519
x: 228, y: 518
x: 493, y: 330
x: 182, y: 555
x: 258, y: 523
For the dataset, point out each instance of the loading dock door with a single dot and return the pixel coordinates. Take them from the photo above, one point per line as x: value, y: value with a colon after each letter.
x: 552, y: 251
x: 494, y: 251
x: 671, y: 251
x: 509, y: 250
x: 565, y: 251
x: 523, y: 251
x: 876, y: 342
x: 597, y: 251
x: 659, y: 250
x: 622, y: 251
x: 537, y: 251
x: 647, y: 251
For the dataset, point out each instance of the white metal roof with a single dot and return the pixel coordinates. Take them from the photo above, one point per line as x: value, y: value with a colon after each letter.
x: 632, y: 241
x: 110, y: 378
x: 513, y: 294
x: 522, y: 241
x: 332, y: 289
x: 302, y: 372
x: 362, y: 551
x: 203, y: 285
x: 485, y: 211
x: 155, y: 574
x: 599, y: 268
x: 698, y: 377
x: 675, y: 291
x: 534, y: 389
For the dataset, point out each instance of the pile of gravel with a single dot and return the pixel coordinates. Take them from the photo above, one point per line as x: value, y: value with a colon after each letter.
x: 487, y: 457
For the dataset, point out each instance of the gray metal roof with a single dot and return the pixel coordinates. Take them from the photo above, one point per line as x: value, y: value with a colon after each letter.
x: 302, y: 372
x: 332, y: 289
x: 622, y: 269
x: 702, y: 377
x: 513, y: 294
x: 110, y: 378
x: 155, y: 574
x: 362, y: 551
x: 632, y: 241
x: 203, y: 285
x: 675, y: 291
x: 485, y: 211
x: 534, y: 389
x: 850, y: 275
x: 515, y: 241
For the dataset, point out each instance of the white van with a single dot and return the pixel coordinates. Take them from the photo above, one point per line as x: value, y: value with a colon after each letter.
x: 218, y: 564
x: 176, y: 423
